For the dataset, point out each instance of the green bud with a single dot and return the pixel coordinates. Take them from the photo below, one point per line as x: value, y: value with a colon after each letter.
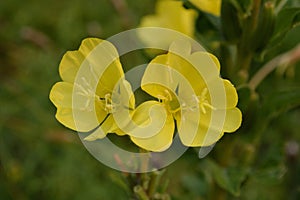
x: 265, y: 27
x: 230, y: 22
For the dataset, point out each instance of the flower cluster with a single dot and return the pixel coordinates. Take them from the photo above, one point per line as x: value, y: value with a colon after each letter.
x: 191, y: 97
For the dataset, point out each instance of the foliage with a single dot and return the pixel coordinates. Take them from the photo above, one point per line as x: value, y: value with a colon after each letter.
x: 40, y: 159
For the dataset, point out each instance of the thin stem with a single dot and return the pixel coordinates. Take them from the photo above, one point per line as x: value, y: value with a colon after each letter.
x: 255, y: 14
x: 144, y: 159
x: 243, y: 63
x: 289, y: 57
x: 154, y: 182
x: 244, y: 52
x: 140, y: 192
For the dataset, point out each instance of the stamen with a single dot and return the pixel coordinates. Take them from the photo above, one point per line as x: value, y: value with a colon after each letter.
x: 109, y: 105
x: 87, y: 103
x: 204, y: 102
x: 87, y: 94
x: 83, y: 92
x: 86, y: 82
x: 209, y: 106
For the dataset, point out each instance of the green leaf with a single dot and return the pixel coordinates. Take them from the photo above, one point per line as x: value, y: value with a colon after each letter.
x: 281, y: 101
x: 286, y: 43
x: 284, y: 22
x: 195, y: 184
x: 285, y: 33
x: 265, y: 183
x: 230, y: 178
x: 271, y: 175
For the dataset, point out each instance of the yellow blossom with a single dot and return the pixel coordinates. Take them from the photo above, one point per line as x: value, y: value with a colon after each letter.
x: 186, y: 95
x: 92, y: 85
x: 172, y: 15
x: 209, y: 6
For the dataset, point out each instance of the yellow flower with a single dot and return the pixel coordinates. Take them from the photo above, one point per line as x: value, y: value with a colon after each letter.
x: 210, y: 6
x: 94, y: 97
x: 93, y: 88
x: 188, y: 90
x: 172, y: 15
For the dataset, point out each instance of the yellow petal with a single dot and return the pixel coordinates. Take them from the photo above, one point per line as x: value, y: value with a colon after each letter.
x: 72, y: 60
x: 99, y: 58
x: 69, y: 65
x: 233, y: 120
x: 194, y: 129
x: 143, y: 125
x: 124, y: 101
x: 102, y: 130
x: 175, y: 16
x: 159, y: 80
x: 231, y: 94
x: 157, y: 77
x: 227, y: 120
x: 88, y: 44
x: 166, y: 70
x: 65, y: 116
x: 204, y: 137
x: 102, y: 67
x: 203, y: 130
x: 169, y: 14
x: 206, y: 59
x: 61, y: 94
x: 163, y: 138
x: 182, y: 48
x: 167, y: 74
x: 193, y: 67
x: 210, y: 6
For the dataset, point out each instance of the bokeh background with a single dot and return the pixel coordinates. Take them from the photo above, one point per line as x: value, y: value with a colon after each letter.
x: 41, y: 159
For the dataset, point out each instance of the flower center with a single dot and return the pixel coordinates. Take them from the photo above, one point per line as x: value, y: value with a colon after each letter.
x: 108, y: 104
x: 198, y: 101
x: 171, y: 104
x: 203, y: 102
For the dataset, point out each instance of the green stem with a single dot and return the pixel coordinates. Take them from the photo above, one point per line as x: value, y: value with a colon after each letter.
x: 243, y: 63
x: 140, y: 193
x: 289, y: 57
x: 154, y: 182
x: 255, y: 14
x: 245, y: 50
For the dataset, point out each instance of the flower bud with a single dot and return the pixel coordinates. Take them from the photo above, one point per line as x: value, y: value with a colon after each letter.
x: 265, y: 27
x: 230, y: 22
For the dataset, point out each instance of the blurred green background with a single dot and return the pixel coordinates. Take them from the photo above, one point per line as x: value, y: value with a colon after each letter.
x: 40, y: 159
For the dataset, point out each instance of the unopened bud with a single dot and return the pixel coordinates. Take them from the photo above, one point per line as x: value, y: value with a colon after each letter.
x: 265, y: 27
x: 230, y: 22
